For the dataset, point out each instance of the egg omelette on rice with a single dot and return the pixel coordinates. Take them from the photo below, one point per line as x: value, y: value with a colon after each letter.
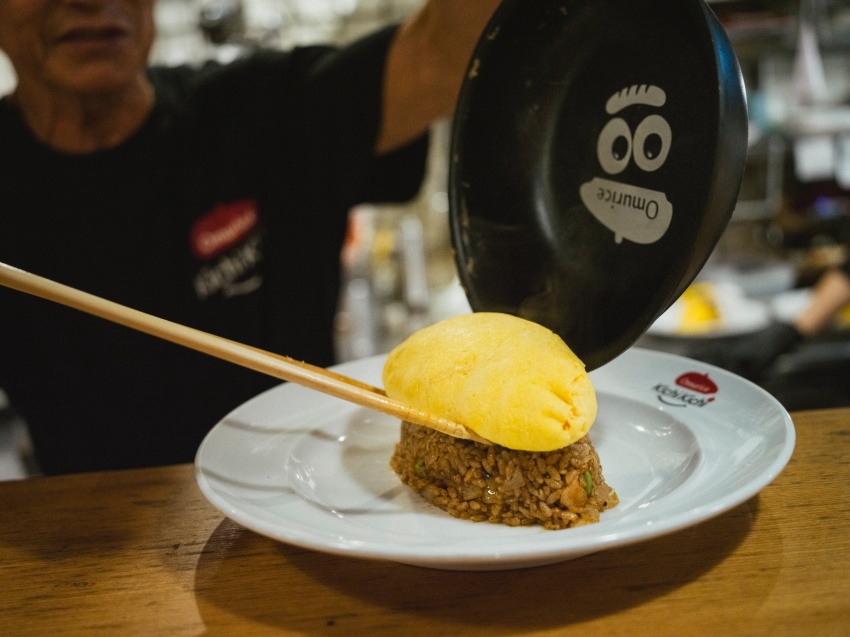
x: 517, y: 384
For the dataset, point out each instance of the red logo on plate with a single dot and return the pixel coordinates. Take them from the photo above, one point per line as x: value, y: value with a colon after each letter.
x: 697, y: 382
x: 691, y: 389
x: 223, y: 228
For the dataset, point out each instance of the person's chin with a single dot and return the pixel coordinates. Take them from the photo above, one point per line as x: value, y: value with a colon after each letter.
x: 100, y: 76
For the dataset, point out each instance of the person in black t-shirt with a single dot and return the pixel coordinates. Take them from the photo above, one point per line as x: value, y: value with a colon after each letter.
x: 214, y: 197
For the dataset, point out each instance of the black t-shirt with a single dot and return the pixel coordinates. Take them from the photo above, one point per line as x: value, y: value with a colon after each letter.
x: 225, y: 212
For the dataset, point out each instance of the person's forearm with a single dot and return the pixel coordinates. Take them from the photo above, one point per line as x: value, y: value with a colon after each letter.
x: 831, y: 293
x: 426, y: 65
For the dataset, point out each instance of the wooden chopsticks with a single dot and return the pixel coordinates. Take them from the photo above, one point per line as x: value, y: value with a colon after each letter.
x: 282, y: 367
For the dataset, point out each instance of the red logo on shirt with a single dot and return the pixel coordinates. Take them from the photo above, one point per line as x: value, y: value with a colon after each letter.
x: 223, y: 228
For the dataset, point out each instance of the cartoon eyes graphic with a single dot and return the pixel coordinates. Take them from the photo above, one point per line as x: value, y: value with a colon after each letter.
x: 632, y: 211
x: 649, y: 145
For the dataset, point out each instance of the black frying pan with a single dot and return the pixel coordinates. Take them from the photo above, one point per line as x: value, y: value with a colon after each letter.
x: 597, y: 152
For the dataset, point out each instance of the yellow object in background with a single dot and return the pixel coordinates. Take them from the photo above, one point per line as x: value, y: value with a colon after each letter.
x: 700, y: 311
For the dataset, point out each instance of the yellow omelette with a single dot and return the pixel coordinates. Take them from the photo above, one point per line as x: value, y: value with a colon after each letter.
x: 510, y: 380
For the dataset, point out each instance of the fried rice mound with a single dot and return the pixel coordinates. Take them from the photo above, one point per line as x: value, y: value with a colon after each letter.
x: 472, y: 481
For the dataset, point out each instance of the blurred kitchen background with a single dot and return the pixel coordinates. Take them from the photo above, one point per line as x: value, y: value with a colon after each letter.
x: 792, y: 221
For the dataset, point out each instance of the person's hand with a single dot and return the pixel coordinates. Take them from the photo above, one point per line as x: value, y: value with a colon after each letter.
x: 752, y: 356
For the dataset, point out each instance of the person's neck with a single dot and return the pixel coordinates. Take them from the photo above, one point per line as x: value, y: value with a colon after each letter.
x: 81, y: 124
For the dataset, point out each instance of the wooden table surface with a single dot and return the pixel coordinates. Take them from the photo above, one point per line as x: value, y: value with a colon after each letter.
x: 143, y: 553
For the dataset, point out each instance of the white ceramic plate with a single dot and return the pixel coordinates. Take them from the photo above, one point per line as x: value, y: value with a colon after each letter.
x: 678, y: 446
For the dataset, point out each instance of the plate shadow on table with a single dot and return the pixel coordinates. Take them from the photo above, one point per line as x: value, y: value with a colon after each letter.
x: 336, y: 591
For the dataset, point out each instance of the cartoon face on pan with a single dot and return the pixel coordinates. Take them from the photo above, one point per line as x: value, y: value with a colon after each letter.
x: 631, y: 211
